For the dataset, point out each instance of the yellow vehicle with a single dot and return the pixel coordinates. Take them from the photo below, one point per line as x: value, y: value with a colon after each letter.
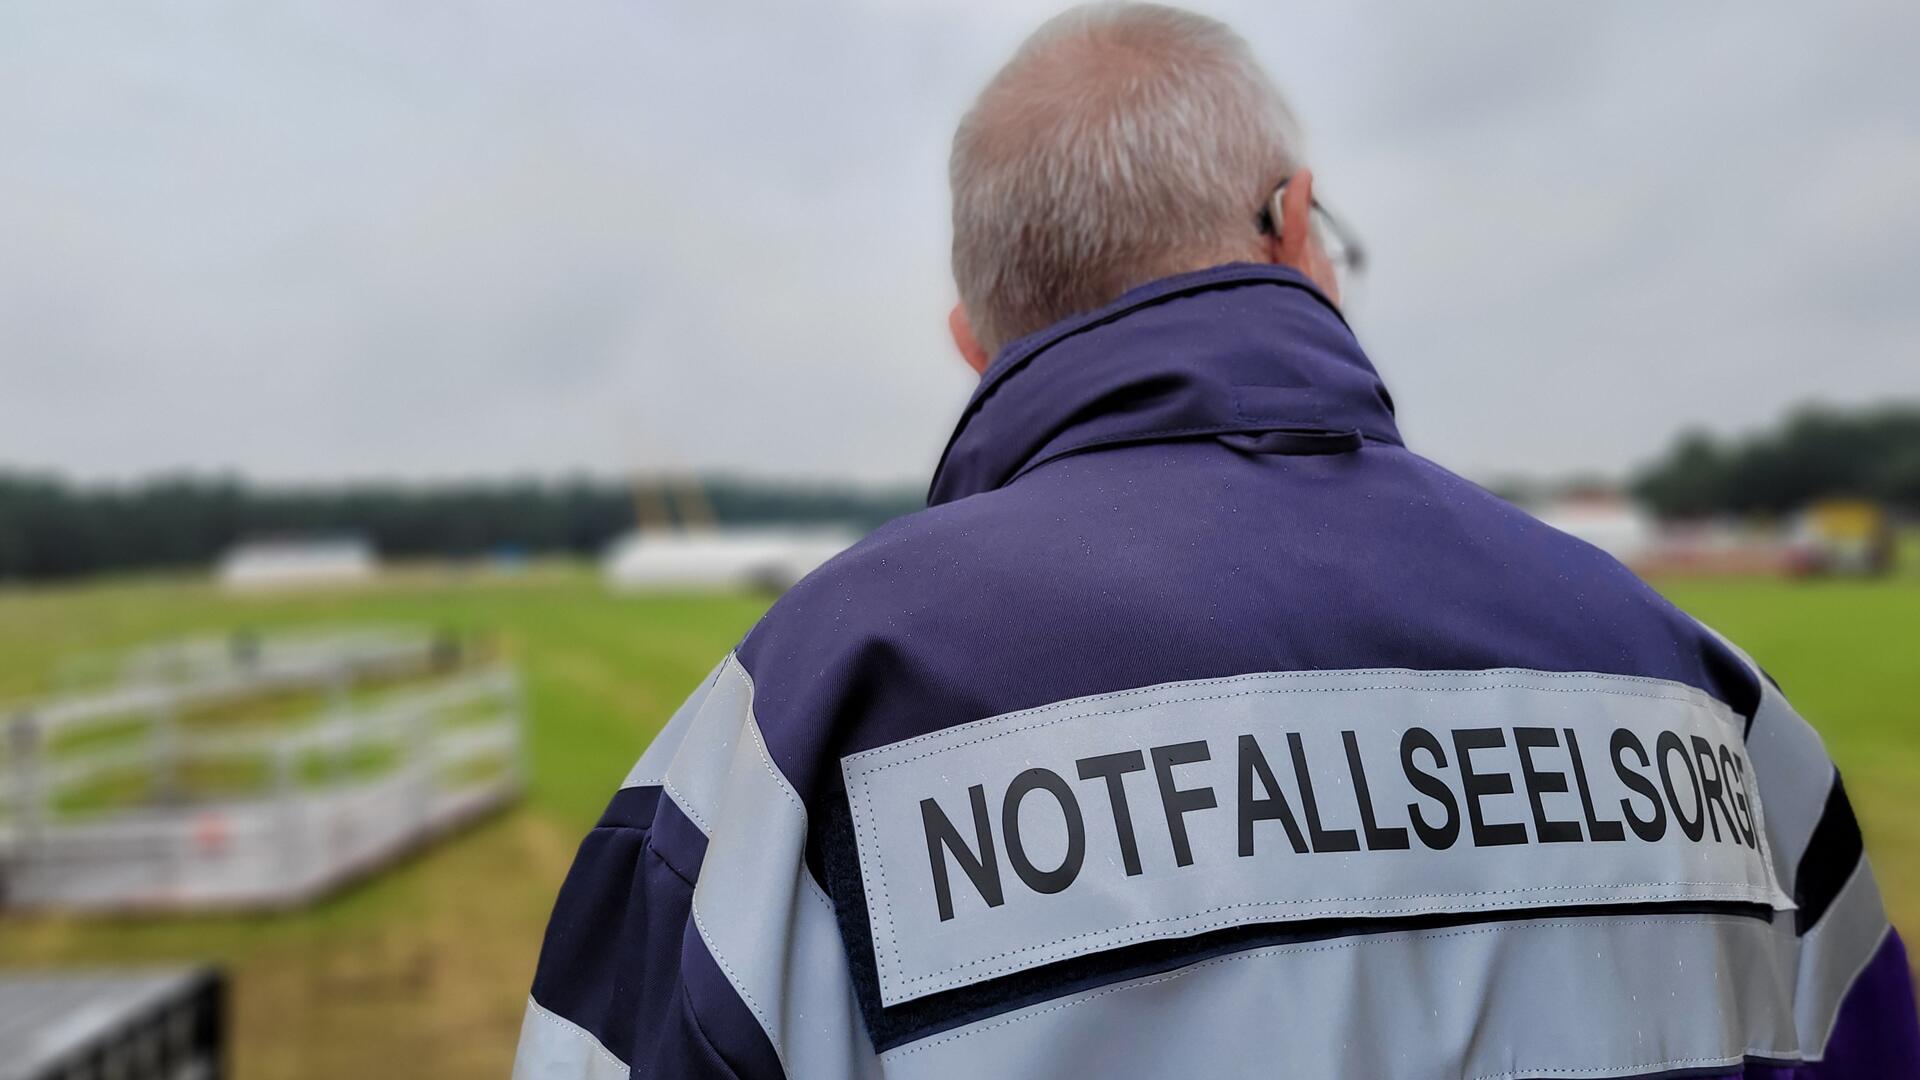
x: 1844, y: 536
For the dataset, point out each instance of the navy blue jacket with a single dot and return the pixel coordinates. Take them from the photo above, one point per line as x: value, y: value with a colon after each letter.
x: 1199, y: 727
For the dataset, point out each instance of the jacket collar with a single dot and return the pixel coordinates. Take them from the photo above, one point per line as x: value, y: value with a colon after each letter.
x: 1236, y: 350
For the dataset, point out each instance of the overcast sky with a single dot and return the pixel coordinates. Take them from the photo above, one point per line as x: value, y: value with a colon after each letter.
x: 327, y: 240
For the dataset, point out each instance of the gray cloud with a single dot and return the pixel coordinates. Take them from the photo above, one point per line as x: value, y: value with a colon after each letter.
x: 318, y: 240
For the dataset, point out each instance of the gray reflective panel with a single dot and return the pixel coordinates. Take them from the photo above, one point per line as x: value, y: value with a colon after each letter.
x: 652, y: 766
x: 756, y: 906
x: 1547, y: 998
x: 1833, y: 954
x: 1792, y: 767
x: 1172, y: 810
x: 554, y: 1048
x: 696, y: 774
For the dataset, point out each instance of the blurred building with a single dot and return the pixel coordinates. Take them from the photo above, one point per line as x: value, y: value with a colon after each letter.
x: 1606, y: 519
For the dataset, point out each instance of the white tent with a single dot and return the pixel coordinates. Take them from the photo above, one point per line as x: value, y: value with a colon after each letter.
x: 300, y: 562
x: 720, y: 558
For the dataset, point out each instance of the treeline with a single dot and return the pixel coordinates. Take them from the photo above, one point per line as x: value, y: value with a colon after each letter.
x: 1817, y: 453
x: 52, y: 529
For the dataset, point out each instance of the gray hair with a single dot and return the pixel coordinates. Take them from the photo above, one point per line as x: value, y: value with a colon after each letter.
x: 1122, y: 143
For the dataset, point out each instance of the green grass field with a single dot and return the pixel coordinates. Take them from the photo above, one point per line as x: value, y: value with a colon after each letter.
x: 423, y: 971
x: 1848, y: 655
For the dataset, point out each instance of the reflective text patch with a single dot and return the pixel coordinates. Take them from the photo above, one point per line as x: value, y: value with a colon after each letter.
x: 1172, y: 810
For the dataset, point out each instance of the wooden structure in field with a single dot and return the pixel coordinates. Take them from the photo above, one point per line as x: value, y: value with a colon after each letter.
x: 250, y: 772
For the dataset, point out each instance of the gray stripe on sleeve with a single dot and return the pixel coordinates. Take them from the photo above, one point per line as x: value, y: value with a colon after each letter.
x: 1790, y: 766
x: 696, y: 775
x: 756, y: 906
x: 1833, y: 954
x: 1794, y: 774
x: 554, y: 1048
x: 651, y: 769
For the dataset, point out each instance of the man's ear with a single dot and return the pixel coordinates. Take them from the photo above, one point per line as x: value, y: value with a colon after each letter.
x: 1297, y: 246
x: 962, y: 329
x: 1295, y: 221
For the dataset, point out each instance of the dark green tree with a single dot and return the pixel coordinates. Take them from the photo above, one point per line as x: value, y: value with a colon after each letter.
x: 1819, y: 452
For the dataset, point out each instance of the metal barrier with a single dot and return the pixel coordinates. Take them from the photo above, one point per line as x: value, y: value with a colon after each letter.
x: 306, y: 804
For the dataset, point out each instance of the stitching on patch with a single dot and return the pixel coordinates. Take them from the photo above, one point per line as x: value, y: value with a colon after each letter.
x: 880, y: 865
x: 1686, y: 695
x: 1262, y: 692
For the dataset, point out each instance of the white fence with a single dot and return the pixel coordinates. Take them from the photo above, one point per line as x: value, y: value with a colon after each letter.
x: 305, y: 804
